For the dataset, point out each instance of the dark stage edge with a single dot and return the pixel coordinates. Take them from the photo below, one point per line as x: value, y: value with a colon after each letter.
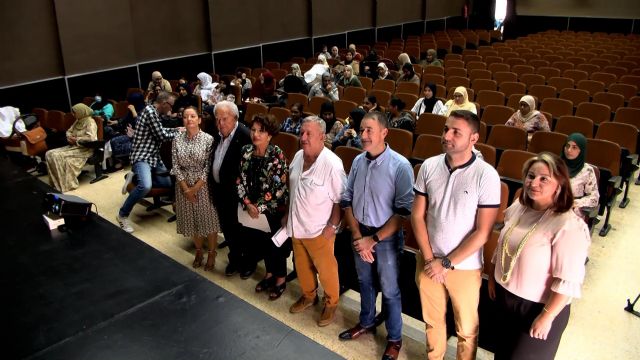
x: 99, y: 293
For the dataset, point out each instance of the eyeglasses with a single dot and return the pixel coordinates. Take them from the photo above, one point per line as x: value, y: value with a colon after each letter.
x: 457, y: 96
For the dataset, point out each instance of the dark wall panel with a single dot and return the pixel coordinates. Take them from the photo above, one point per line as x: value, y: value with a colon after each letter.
x: 436, y: 25
x: 283, y: 51
x: 283, y: 20
x: 95, y: 34
x: 442, y: 9
x: 456, y: 22
x: 234, y: 24
x: 389, y: 33
x: 163, y: 29
x: 391, y: 12
x: 532, y: 24
x: 339, y: 40
x: 29, y: 42
x: 227, y: 61
x: 336, y: 16
x: 604, y: 25
x: 413, y: 28
x: 364, y: 36
x: 50, y: 94
x: 112, y: 84
x: 173, y: 69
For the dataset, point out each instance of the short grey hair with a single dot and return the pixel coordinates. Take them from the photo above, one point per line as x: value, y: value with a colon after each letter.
x: 164, y: 96
x: 317, y: 120
x: 228, y: 105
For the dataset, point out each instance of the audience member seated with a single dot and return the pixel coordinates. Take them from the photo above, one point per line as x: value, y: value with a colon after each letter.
x: 403, y: 59
x: 245, y: 84
x: 338, y: 70
x: 183, y: 101
x: 383, y: 72
x: 538, y: 264
x: 584, y: 184
x: 372, y: 56
x: 65, y: 163
x: 118, y: 145
x: 528, y: 118
x: 398, y: 118
x: 314, y: 75
x: 432, y: 58
x: 460, y: 102
x: 335, y: 53
x: 408, y: 75
x: 429, y: 103
x: 102, y: 107
x: 356, y: 55
x: 370, y: 104
x: 325, y: 52
x: 294, y: 81
x: 350, y: 133
x: 157, y: 80
x: 264, y: 90
x: 151, y: 95
x: 196, y: 216
x: 292, y: 124
x: 348, y: 78
x: 263, y: 192
x: 333, y: 125
x: 207, y: 90
x: 326, y: 88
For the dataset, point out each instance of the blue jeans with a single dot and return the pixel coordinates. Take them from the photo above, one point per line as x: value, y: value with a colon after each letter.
x: 147, y: 177
x: 386, y: 269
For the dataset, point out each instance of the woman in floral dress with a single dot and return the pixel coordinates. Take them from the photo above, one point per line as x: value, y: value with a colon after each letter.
x: 196, y: 215
x: 262, y: 189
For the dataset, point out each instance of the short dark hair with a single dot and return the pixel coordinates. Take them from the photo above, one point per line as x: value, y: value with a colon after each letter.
x: 397, y: 102
x: 372, y: 99
x: 268, y: 122
x: 298, y: 106
x: 563, y: 201
x: 377, y: 116
x: 471, y: 118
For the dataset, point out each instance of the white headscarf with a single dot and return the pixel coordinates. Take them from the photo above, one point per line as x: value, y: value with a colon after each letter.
x: 206, y: 85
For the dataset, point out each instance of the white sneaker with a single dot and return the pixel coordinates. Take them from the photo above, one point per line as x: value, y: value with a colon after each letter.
x: 127, y: 181
x: 124, y: 224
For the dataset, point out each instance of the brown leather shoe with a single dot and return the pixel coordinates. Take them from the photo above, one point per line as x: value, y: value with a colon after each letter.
x: 302, y: 304
x: 355, y: 332
x: 328, y: 315
x: 392, y: 350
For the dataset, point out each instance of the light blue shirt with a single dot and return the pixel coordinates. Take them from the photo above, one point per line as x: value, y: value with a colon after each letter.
x: 379, y: 188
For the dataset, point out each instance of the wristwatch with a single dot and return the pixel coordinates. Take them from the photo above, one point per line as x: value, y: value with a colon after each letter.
x: 446, y: 263
x: 375, y: 238
x: 335, y: 227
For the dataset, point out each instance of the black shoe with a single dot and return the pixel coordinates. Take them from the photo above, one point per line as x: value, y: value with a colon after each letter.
x: 245, y: 274
x: 230, y: 270
x: 223, y: 244
x: 379, y: 319
x: 292, y: 276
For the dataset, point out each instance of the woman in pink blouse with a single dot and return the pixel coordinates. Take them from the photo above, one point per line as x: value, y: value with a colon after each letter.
x: 539, y: 263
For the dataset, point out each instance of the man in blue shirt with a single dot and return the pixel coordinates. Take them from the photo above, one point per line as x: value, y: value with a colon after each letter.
x: 379, y: 194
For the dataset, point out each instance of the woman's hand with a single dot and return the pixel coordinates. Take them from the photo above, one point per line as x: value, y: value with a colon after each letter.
x: 190, y: 194
x: 72, y: 140
x: 541, y: 326
x: 253, y: 211
x: 492, y: 287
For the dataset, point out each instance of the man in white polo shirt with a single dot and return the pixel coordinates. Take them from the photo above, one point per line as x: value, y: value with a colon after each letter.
x: 316, y: 183
x: 460, y: 196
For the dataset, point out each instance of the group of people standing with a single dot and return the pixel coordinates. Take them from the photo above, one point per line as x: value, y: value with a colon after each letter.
x: 266, y: 205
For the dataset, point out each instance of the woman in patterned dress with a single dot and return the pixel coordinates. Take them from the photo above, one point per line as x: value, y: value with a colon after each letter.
x: 584, y: 184
x: 263, y: 190
x: 196, y: 215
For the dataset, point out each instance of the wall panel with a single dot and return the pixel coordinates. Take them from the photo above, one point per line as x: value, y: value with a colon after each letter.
x: 621, y: 9
x: 29, y: 42
x: 392, y: 12
x: 336, y: 16
x: 441, y: 9
x: 95, y: 34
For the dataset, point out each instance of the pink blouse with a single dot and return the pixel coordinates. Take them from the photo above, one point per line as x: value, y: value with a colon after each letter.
x: 552, y: 258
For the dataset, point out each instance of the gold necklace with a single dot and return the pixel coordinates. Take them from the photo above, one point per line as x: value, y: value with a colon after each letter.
x: 506, y: 275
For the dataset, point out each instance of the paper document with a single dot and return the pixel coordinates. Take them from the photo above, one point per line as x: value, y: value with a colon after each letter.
x: 260, y: 223
x: 280, y: 237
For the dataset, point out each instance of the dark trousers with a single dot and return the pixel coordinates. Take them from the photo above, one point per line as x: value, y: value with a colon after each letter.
x: 515, y: 317
x: 227, y: 207
x: 257, y: 245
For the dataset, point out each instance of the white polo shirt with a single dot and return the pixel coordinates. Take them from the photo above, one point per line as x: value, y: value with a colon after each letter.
x: 453, y: 198
x: 313, y: 193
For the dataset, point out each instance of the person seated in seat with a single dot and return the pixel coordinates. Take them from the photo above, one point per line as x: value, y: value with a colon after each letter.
x: 429, y: 103
x: 432, y: 59
x: 335, y: 53
x: 383, y: 72
x: 151, y: 95
x: 325, y: 52
x: 314, y: 75
x: 292, y: 124
x: 528, y: 118
x: 356, y: 55
x: 398, y: 118
x: 338, y: 69
x: 118, y: 145
x: 370, y: 104
x: 460, y: 101
x: 333, y: 125
x: 326, y: 88
x: 65, y: 163
x: 102, y: 107
x: 245, y: 84
x: 264, y: 90
x: 408, y: 75
x: 183, y: 101
x: 207, y: 90
x: 403, y: 58
x: 158, y: 80
x: 348, y: 78
x: 294, y: 81
x: 350, y: 133
x: 584, y: 184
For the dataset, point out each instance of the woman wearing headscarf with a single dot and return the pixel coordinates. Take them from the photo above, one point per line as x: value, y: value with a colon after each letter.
x: 313, y: 75
x: 184, y: 100
x: 528, y: 118
x: 432, y: 58
x: 349, y: 78
x: 408, y: 75
x: 350, y: 133
x: 429, y: 103
x: 294, y: 81
x: 403, y: 58
x: 460, y: 101
x: 65, y: 163
x: 205, y: 88
x: 584, y: 184
x: 333, y: 125
x: 383, y: 72
x: 102, y: 107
